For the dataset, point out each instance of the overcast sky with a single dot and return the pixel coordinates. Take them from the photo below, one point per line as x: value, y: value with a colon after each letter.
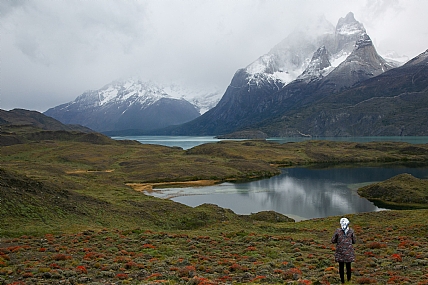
x: 51, y: 51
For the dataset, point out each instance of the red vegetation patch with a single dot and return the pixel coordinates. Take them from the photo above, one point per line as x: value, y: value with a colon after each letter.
x: 81, y: 269
x: 61, y: 256
x: 122, y: 276
x: 396, y: 257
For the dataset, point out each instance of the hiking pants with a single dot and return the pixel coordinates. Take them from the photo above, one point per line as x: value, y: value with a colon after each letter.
x: 342, y: 271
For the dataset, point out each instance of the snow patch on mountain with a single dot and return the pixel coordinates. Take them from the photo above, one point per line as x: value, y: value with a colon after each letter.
x: 136, y: 91
x: 202, y: 96
x: 131, y: 90
x: 339, y: 58
x: 289, y: 58
x: 293, y: 58
x: 319, y: 66
x: 348, y: 26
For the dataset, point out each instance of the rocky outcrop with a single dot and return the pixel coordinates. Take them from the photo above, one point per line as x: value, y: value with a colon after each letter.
x: 363, y: 63
x: 318, y: 67
x: 348, y: 31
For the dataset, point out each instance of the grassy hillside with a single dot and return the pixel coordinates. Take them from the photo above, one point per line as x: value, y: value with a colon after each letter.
x: 67, y: 216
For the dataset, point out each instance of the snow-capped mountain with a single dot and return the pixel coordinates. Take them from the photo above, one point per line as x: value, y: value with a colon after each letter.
x: 131, y: 91
x: 310, y: 63
x: 288, y: 59
x: 292, y: 56
x: 126, y: 104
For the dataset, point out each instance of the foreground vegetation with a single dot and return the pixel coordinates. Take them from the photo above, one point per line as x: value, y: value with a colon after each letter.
x: 69, y: 216
x: 392, y: 248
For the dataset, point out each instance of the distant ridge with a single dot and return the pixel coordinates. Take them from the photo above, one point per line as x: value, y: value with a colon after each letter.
x: 22, y: 117
x: 20, y: 126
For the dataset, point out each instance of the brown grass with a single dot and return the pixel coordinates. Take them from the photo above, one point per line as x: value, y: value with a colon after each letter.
x: 141, y: 187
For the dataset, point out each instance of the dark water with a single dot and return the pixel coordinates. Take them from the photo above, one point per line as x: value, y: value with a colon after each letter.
x: 300, y: 193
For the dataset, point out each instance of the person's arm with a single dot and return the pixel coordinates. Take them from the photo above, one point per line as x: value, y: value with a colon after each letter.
x: 334, y: 238
x: 354, y: 238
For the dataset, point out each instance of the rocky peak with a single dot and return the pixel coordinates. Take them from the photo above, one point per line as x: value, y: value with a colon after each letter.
x: 366, y: 54
x: 363, y: 63
x: 348, y: 31
x: 320, y: 57
x: 363, y: 41
x: 349, y: 25
x: 319, y: 65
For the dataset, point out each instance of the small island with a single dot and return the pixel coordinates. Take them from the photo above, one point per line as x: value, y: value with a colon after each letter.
x: 401, y: 191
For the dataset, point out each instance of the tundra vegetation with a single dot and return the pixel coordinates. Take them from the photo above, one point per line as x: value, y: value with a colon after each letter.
x: 68, y: 215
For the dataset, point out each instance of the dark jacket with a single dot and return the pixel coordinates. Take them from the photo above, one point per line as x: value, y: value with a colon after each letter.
x: 344, y: 248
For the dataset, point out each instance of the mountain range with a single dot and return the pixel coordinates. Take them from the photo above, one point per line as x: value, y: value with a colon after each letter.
x: 133, y: 104
x: 322, y: 80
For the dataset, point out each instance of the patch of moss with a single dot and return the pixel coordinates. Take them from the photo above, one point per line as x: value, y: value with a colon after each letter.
x: 271, y: 217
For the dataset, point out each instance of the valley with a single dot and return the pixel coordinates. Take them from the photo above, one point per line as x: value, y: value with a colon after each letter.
x: 68, y: 214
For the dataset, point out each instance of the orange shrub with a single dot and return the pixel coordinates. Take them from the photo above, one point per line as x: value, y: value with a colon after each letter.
x: 81, y: 269
x: 122, y: 276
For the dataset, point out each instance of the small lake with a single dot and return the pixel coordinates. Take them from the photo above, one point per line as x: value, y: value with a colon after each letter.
x: 300, y: 193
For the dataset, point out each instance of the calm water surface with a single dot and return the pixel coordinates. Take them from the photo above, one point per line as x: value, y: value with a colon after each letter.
x: 300, y: 193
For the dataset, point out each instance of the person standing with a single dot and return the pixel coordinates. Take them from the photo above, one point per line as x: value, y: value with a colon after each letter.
x: 344, y: 237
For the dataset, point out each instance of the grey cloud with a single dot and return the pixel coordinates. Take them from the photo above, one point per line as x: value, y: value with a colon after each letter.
x: 55, y: 50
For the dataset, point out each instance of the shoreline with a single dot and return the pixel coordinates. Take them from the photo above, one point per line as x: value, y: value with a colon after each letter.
x: 149, y: 187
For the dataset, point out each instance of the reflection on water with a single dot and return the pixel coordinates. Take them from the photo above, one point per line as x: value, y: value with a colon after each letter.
x: 300, y: 193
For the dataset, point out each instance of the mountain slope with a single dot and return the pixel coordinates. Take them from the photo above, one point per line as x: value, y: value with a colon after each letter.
x: 21, y: 126
x: 123, y: 105
x: 395, y: 103
x: 20, y: 118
